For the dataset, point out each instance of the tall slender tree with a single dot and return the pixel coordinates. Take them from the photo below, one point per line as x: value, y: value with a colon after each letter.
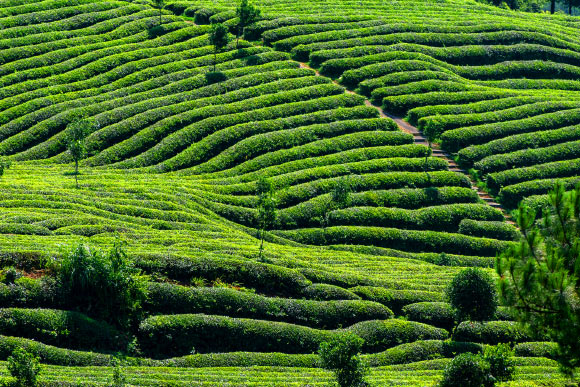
x: 219, y: 38
x: 266, y: 209
x: 247, y: 15
x: 159, y: 4
x: 76, y: 134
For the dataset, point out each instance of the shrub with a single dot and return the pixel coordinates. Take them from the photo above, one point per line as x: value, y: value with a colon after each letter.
x: 107, y: 286
x: 439, y: 314
x: 466, y: 370
x: 489, y: 229
x: 491, y: 332
x: 24, y: 367
x: 473, y: 295
x: 500, y: 360
x: 341, y: 356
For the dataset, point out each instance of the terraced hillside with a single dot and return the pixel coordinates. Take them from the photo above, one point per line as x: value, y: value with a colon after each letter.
x: 173, y: 166
x: 488, y: 84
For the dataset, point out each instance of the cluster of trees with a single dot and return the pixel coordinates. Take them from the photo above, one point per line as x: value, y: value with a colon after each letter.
x: 537, y: 5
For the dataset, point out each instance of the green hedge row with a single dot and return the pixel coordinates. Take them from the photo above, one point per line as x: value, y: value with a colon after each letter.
x: 543, y: 138
x: 174, y: 299
x: 537, y: 349
x: 167, y: 335
x: 420, y: 87
x: 414, y: 115
x: 511, y: 195
x: 372, y: 181
x: 63, y: 328
x: 266, y: 278
x: 462, y: 137
x: 556, y: 169
x: 256, y: 30
x: 439, y: 218
x: 433, y: 126
x: 491, y: 332
x: 400, y: 105
x: 439, y: 35
x: 256, y: 144
x: 489, y: 229
x: 327, y: 292
x: 23, y: 229
x: 319, y: 152
x: 529, y: 157
x: 441, y: 314
x: 320, y: 97
x: 393, y: 298
x: 280, y: 33
x: 407, y: 240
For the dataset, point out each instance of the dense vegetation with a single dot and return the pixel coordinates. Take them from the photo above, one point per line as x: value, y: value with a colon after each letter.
x: 179, y: 192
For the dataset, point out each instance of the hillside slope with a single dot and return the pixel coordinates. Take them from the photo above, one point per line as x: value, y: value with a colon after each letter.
x: 175, y: 157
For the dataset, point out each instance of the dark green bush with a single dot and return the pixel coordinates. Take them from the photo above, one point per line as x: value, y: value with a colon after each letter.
x: 393, y: 298
x: 491, y: 332
x: 500, y: 360
x: 537, y: 349
x: 63, y: 328
x: 439, y: 314
x: 467, y: 370
x: 472, y: 294
x: 489, y: 229
x: 24, y: 367
x: 341, y: 356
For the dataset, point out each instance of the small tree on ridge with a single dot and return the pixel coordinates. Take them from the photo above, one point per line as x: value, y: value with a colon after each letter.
x: 219, y: 38
x: 247, y: 15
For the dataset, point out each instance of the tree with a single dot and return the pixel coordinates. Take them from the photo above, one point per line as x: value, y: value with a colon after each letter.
x: 341, y: 356
x: 501, y: 362
x: 219, y: 38
x: 339, y: 198
x: 159, y: 4
x: 76, y: 134
x: 473, y: 295
x: 467, y: 370
x: 266, y: 209
x: 571, y: 4
x: 25, y: 367
x: 4, y: 165
x: 104, y: 285
x: 247, y: 15
x: 539, y: 276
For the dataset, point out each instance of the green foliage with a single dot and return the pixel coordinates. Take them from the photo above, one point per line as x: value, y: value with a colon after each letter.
x: 218, y: 38
x: 159, y: 4
x: 501, y: 362
x: 341, y: 356
x: 106, y: 285
x: 266, y: 209
x: 467, y: 370
x: 76, y: 134
x: 539, y: 275
x: 473, y: 295
x: 25, y: 367
x: 247, y: 15
x: 119, y: 378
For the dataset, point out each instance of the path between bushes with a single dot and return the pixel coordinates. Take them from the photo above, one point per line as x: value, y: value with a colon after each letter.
x: 437, y: 151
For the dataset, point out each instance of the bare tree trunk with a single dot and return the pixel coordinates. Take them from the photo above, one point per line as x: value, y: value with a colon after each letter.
x: 553, y: 6
x: 77, y: 172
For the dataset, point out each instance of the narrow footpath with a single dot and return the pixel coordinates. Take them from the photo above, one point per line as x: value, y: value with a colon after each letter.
x: 437, y: 151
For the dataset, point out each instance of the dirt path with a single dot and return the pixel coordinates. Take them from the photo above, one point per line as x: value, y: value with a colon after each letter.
x: 437, y: 151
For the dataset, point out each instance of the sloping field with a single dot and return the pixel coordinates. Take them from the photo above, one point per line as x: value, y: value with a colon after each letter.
x: 175, y: 158
x: 486, y: 83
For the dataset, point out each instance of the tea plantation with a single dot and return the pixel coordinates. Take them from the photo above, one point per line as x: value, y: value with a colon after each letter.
x: 177, y: 151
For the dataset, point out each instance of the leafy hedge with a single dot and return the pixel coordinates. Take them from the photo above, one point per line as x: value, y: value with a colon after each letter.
x: 439, y: 314
x: 511, y: 195
x: 556, y: 169
x: 173, y: 299
x: 328, y: 292
x: 489, y: 229
x: 502, y: 146
x: 492, y: 332
x: 459, y: 138
x: 537, y: 349
x: 393, y: 298
x: 266, y: 278
x: 68, y: 329
x: 408, y: 240
x: 178, y: 334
